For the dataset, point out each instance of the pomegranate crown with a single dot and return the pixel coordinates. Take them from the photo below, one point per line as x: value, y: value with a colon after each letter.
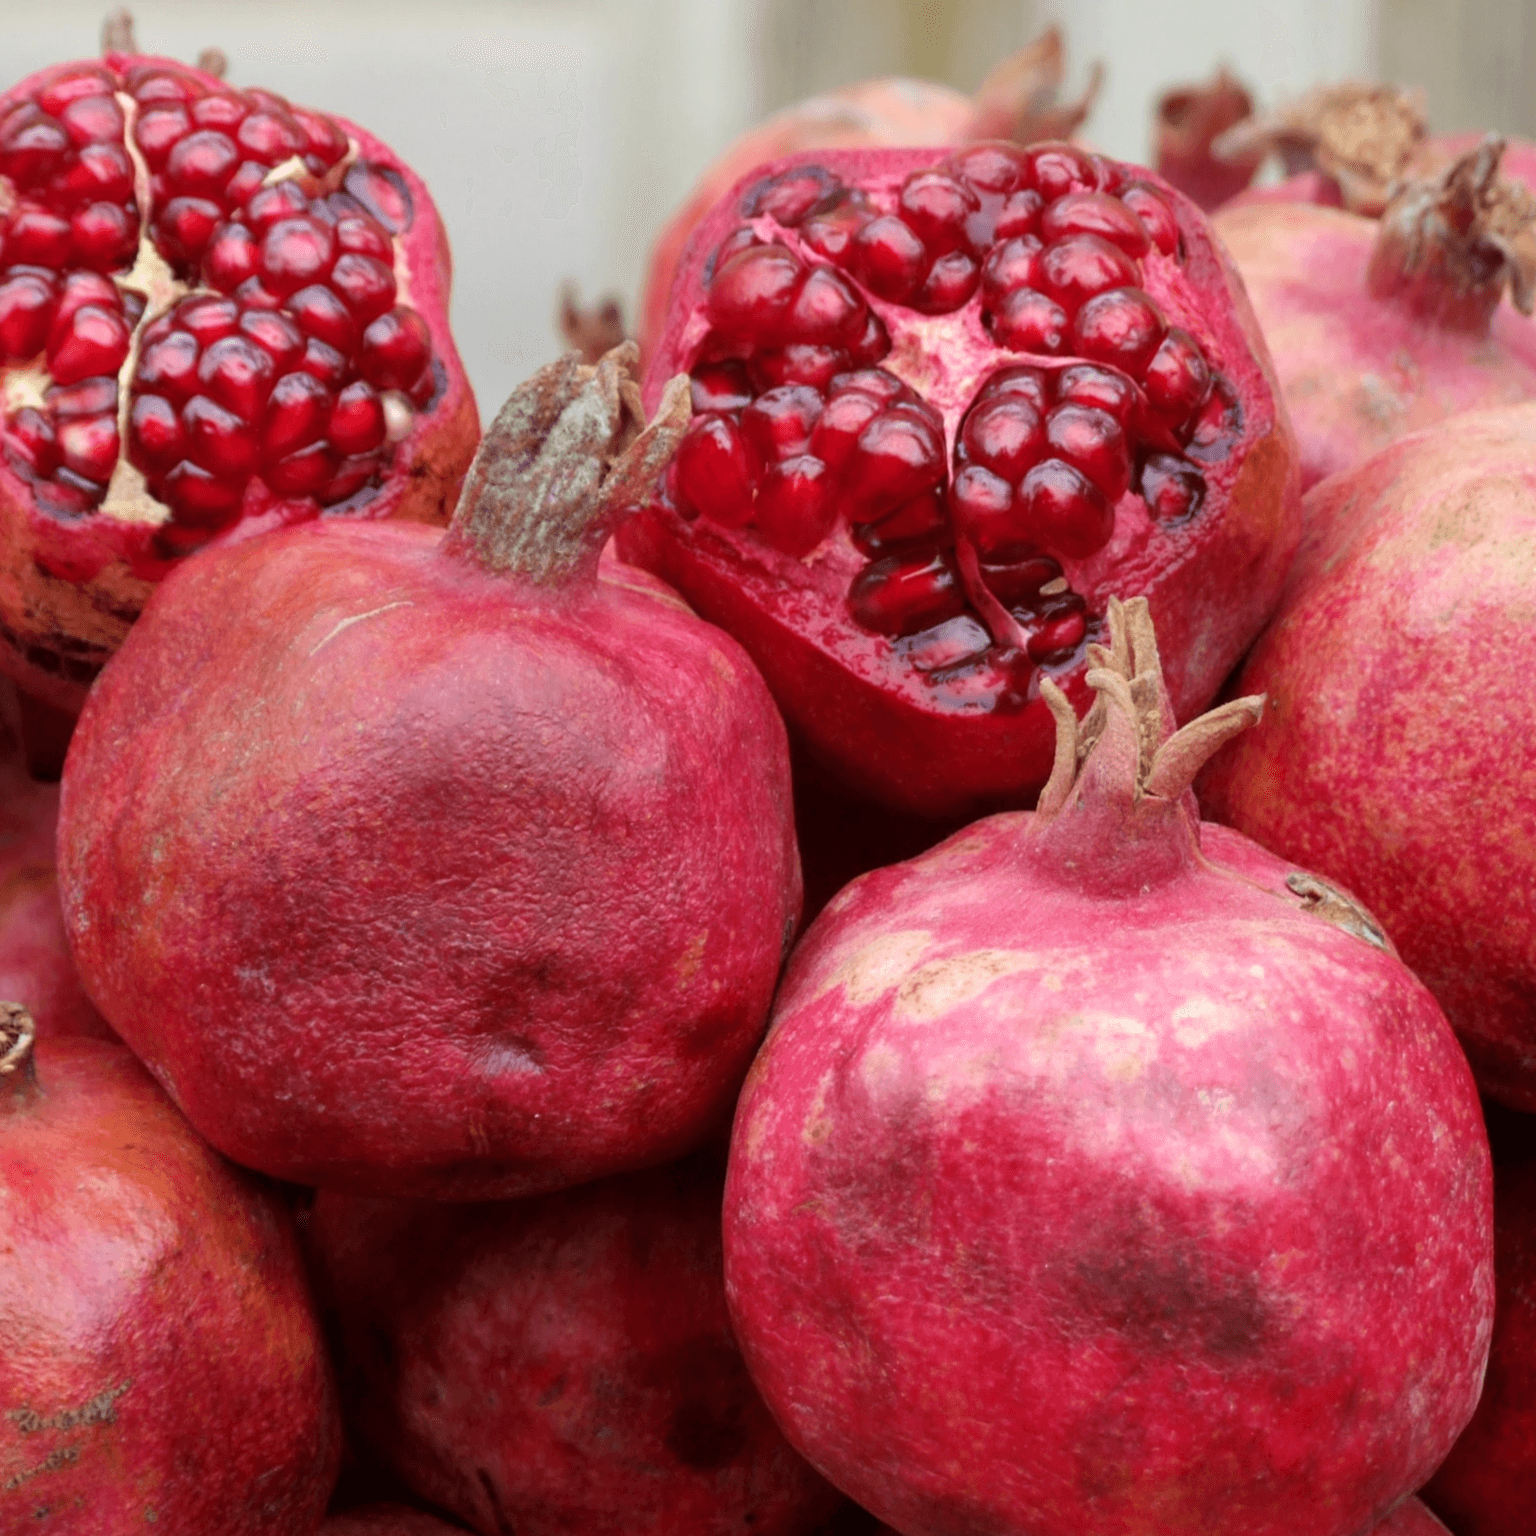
x: 17, y: 1034
x: 567, y: 456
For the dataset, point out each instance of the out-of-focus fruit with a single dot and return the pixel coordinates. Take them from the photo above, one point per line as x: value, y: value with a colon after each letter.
x: 1188, y: 120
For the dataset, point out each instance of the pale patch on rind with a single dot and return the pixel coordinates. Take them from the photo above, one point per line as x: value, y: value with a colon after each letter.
x: 875, y: 968
x: 1202, y: 1019
x: 943, y: 985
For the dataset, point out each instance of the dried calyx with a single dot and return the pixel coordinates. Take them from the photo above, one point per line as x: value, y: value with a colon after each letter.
x: 18, y: 1071
x: 1447, y: 247
x: 567, y: 456
x: 1189, y: 120
x: 591, y: 330
x: 1021, y: 98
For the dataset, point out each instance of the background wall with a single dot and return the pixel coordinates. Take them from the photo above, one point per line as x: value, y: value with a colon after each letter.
x: 558, y: 134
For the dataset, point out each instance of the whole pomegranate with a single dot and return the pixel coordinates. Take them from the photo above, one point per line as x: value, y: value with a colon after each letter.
x: 385, y: 1520
x: 445, y: 866
x: 160, y: 1360
x: 560, y: 1364
x: 218, y: 312
x: 1487, y: 1485
x: 1103, y: 1173
x: 944, y: 405
x: 1016, y: 101
x: 1396, y: 749
x: 1380, y: 327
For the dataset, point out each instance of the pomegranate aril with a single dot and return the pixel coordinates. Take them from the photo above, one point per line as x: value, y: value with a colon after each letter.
x: 1081, y: 266
x: 715, y: 471
x: 366, y: 285
x: 983, y: 507
x: 394, y: 350
x: 1091, y: 440
x: 200, y: 498
x: 1016, y: 584
x: 1099, y: 387
x: 152, y: 84
x: 321, y: 314
x: 95, y: 119
x: 26, y: 314
x: 944, y: 645
x: 219, y: 109
x: 1063, y: 512
x: 276, y: 335
x: 778, y: 424
x: 168, y: 366
x: 872, y: 346
x: 720, y: 386
x: 797, y: 364
x: 751, y: 293
x: 995, y: 682
x: 1018, y: 380
x: 378, y: 189
x: 99, y: 173
x: 877, y: 383
x: 1178, y: 378
x: 831, y: 231
x: 298, y: 410
x: 842, y: 420
x: 1172, y: 487
x: 201, y: 164
x: 1058, y: 637
x: 889, y: 258
x: 902, y: 594
x: 742, y: 239
x: 359, y: 235
x: 74, y: 86
x: 1019, y: 215
x: 794, y: 510
x: 30, y: 433
x: 1057, y: 169
x: 88, y: 445
x: 357, y: 420
x: 90, y: 397
x: 94, y: 340
x: 1029, y: 321
x: 827, y: 309
x: 990, y: 167
x: 159, y: 130
x: 1218, y: 424
x: 32, y: 147
x: 218, y: 440
x: 923, y: 518
x: 304, y: 473
x: 104, y: 236
x: 327, y: 143
x: 69, y: 492
x: 1096, y: 213
x: 897, y: 456
x: 238, y: 374
x: 184, y: 228
x: 283, y: 200
x: 232, y: 255
x: 155, y: 438
x: 936, y: 207
x: 1123, y: 327
x: 37, y: 237
x: 270, y: 136
x: 351, y: 476
x: 1005, y: 433
x: 951, y: 280
x: 296, y: 253
x: 323, y: 362
x: 789, y: 197
x: 1155, y: 215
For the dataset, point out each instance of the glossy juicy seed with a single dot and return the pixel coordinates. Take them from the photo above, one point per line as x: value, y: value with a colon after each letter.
x: 270, y: 136
x: 357, y: 420
x: 1063, y: 512
x: 282, y: 200
x: 830, y: 231
x: 296, y: 253
x: 951, y: 280
x: 93, y: 341
x: 1016, y: 583
x: 1096, y: 213
x: 791, y: 195
x: 794, y: 510
x: 238, y: 374
x: 198, y: 497
x: 99, y: 173
x: 320, y: 313
x: 1217, y: 425
x: 298, y: 411
x: 1019, y: 380
x: 232, y: 255
x: 889, y: 259
x: 873, y: 345
x: 1058, y: 169
x: 32, y: 147
x: 797, y: 364
x: 899, y: 455
x: 184, y: 229
x: 351, y: 475
x: 29, y: 434
x: 1074, y: 270
x: 26, y: 314
x: 1019, y: 215
x: 877, y: 383
x: 152, y: 84
x: 1178, y: 378
x: 95, y: 119
x: 720, y: 386
x: 1093, y: 441
x: 276, y: 335
x: 104, y: 236
x: 395, y: 350
x: 715, y: 470
x: 1155, y: 215
x: 90, y: 397
x: 219, y: 441
x: 839, y: 425
x: 995, y: 168
x: 1098, y: 387
x: 1058, y: 637
x: 201, y: 164
x: 924, y: 519
x: 88, y: 445
x: 90, y: 80
x: 304, y: 473
x: 1172, y: 487
x: 156, y: 441
x: 1124, y: 327
x: 38, y: 237
x: 936, y: 207
x: 827, y: 309
x: 169, y: 367
x: 779, y: 423
x: 1006, y: 434
x: 750, y: 296
x: 219, y: 109
x: 983, y: 507
x: 900, y: 595
x: 207, y: 318
x: 359, y: 235
x: 159, y: 130
x: 1028, y: 321
x: 323, y: 362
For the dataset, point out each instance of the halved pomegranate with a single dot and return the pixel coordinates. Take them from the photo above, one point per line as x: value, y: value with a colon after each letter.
x: 218, y: 312
x: 944, y: 405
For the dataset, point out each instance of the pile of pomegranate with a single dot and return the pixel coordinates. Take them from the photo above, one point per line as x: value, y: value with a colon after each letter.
x: 904, y: 907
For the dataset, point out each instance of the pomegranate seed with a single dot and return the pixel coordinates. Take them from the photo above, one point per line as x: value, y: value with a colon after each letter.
x: 321, y: 314
x: 105, y: 237
x: 1217, y: 424
x: 88, y: 445
x: 1098, y: 387
x: 30, y: 433
x: 155, y: 438
x: 875, y: 382
x: 936, y: 208
x: 1063, y: 512
x: 219, y: 109
x: 1096, y: 213
x: 245, y: 183
x: 276, y: 334
x: 159, y: 130
x: 990, y: 167
x: 90, y: 81
x: 1155, y: 215
x: 828, y: 308
x: 284, y: 200
x: 270, y: 136
x: 899, y: 455
x: 1057, y: 169
x: 185, y: 227
x: 90, y: 397
x: 951, y: 280
x: 715, y: 471
x: 38, y: 237
x: 357, y: 420
x: 380, y: 190
x: 1027, y: 321
x: 900, y: 595
x: 956, y: 640
x: 872, y: 346
x: 1171, y: 487
x: 231, y: 257
x: 202, y: 163
x: 1075, y: 269
x: 1006, y: 434
x: 790, y: 196
x: 32, y: 148
x: 100, y: 173
x: 1016, y: 584
x: 296, y: 252
x: 778, y: 424
x: 982, y: 504
x: 1178, y: 378
x: 350, y: 477
x: 94, y: 340
x: 743, y: 239
x: 26, y: 314
x: 199, y: 498
x: 95, y: 119
x: 1019, y: 215
x: 358, y: 235
x: 298, y: 410
x: 326, y: 142
x: 254, y: 294
x: 924, y: 517
x: 238, y: 374
x: 218, y: 440
x: 831, y: 232
x: 751, y: 293
x: 837, y: 430
x: 1093, y: 441
x: 366, y: 285
x: 1021, y: 381
x: 1013, y: 264
x: 798, y: 364
x: 162, y: 85
x: 889, y: 258
x: 305, y: 473
x: 208, y: 319
x: 1123, y: 327
x: 1058, y: 638
x: 720, y: 387
x: 323, y: 362
x: 395, y: 350
x: 794, y: 510
x: 169, y: 367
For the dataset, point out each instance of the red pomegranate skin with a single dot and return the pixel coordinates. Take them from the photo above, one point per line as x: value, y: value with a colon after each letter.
x: 1360, y: 372
x: 1410, y: 617
x: 560, y: 1364
x: 74, y: 580
x: 1411, y: 1518
x: 1059, y: 1200
x: 1487, y: 1485
x: 894, y: 732
x: 386, y: 1520
x: 160, y: 1360
x: 407, y: 877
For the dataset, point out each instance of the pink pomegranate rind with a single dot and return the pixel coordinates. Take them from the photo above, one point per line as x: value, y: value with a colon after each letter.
x: 160, y: 1358
x: 140, y: 432
x: 1102, y: 1171
x: 903, y: 620
x: 1395, y: 750
x: 560, y: 1364
x: 411, y: 872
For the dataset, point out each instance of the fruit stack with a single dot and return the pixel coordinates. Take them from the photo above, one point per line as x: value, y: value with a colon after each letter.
x: 670, y: 976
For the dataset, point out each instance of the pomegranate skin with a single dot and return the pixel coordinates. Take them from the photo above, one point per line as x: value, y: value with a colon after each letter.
x: 560, y: 1364
x: 1411, y: 1518
x: 1058, y: 1201
x: 386, y: 1520
x: 525, y: 848
x: 159, y: 1353
x: 1409, y: 606
x: 70, y: 586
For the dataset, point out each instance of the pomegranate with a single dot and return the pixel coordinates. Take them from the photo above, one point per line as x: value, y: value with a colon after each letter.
x: 1102, y: 1172
x: 560, y: 1364
x: 385, y: 1520
x: 1188, y: 120
x: 218, y: 312
x: 1410, y: 1518
x: 1381, y: 327
x: 944, y: 405
x: 456, y: 867
x: 1411, y: 606
x: 160, y: 1360
x: 1487, y: 1485
x: 1016, y: 101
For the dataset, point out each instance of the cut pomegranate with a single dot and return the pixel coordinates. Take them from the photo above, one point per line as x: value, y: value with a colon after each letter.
x: 1017, y: 380
x: 180, y: 262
